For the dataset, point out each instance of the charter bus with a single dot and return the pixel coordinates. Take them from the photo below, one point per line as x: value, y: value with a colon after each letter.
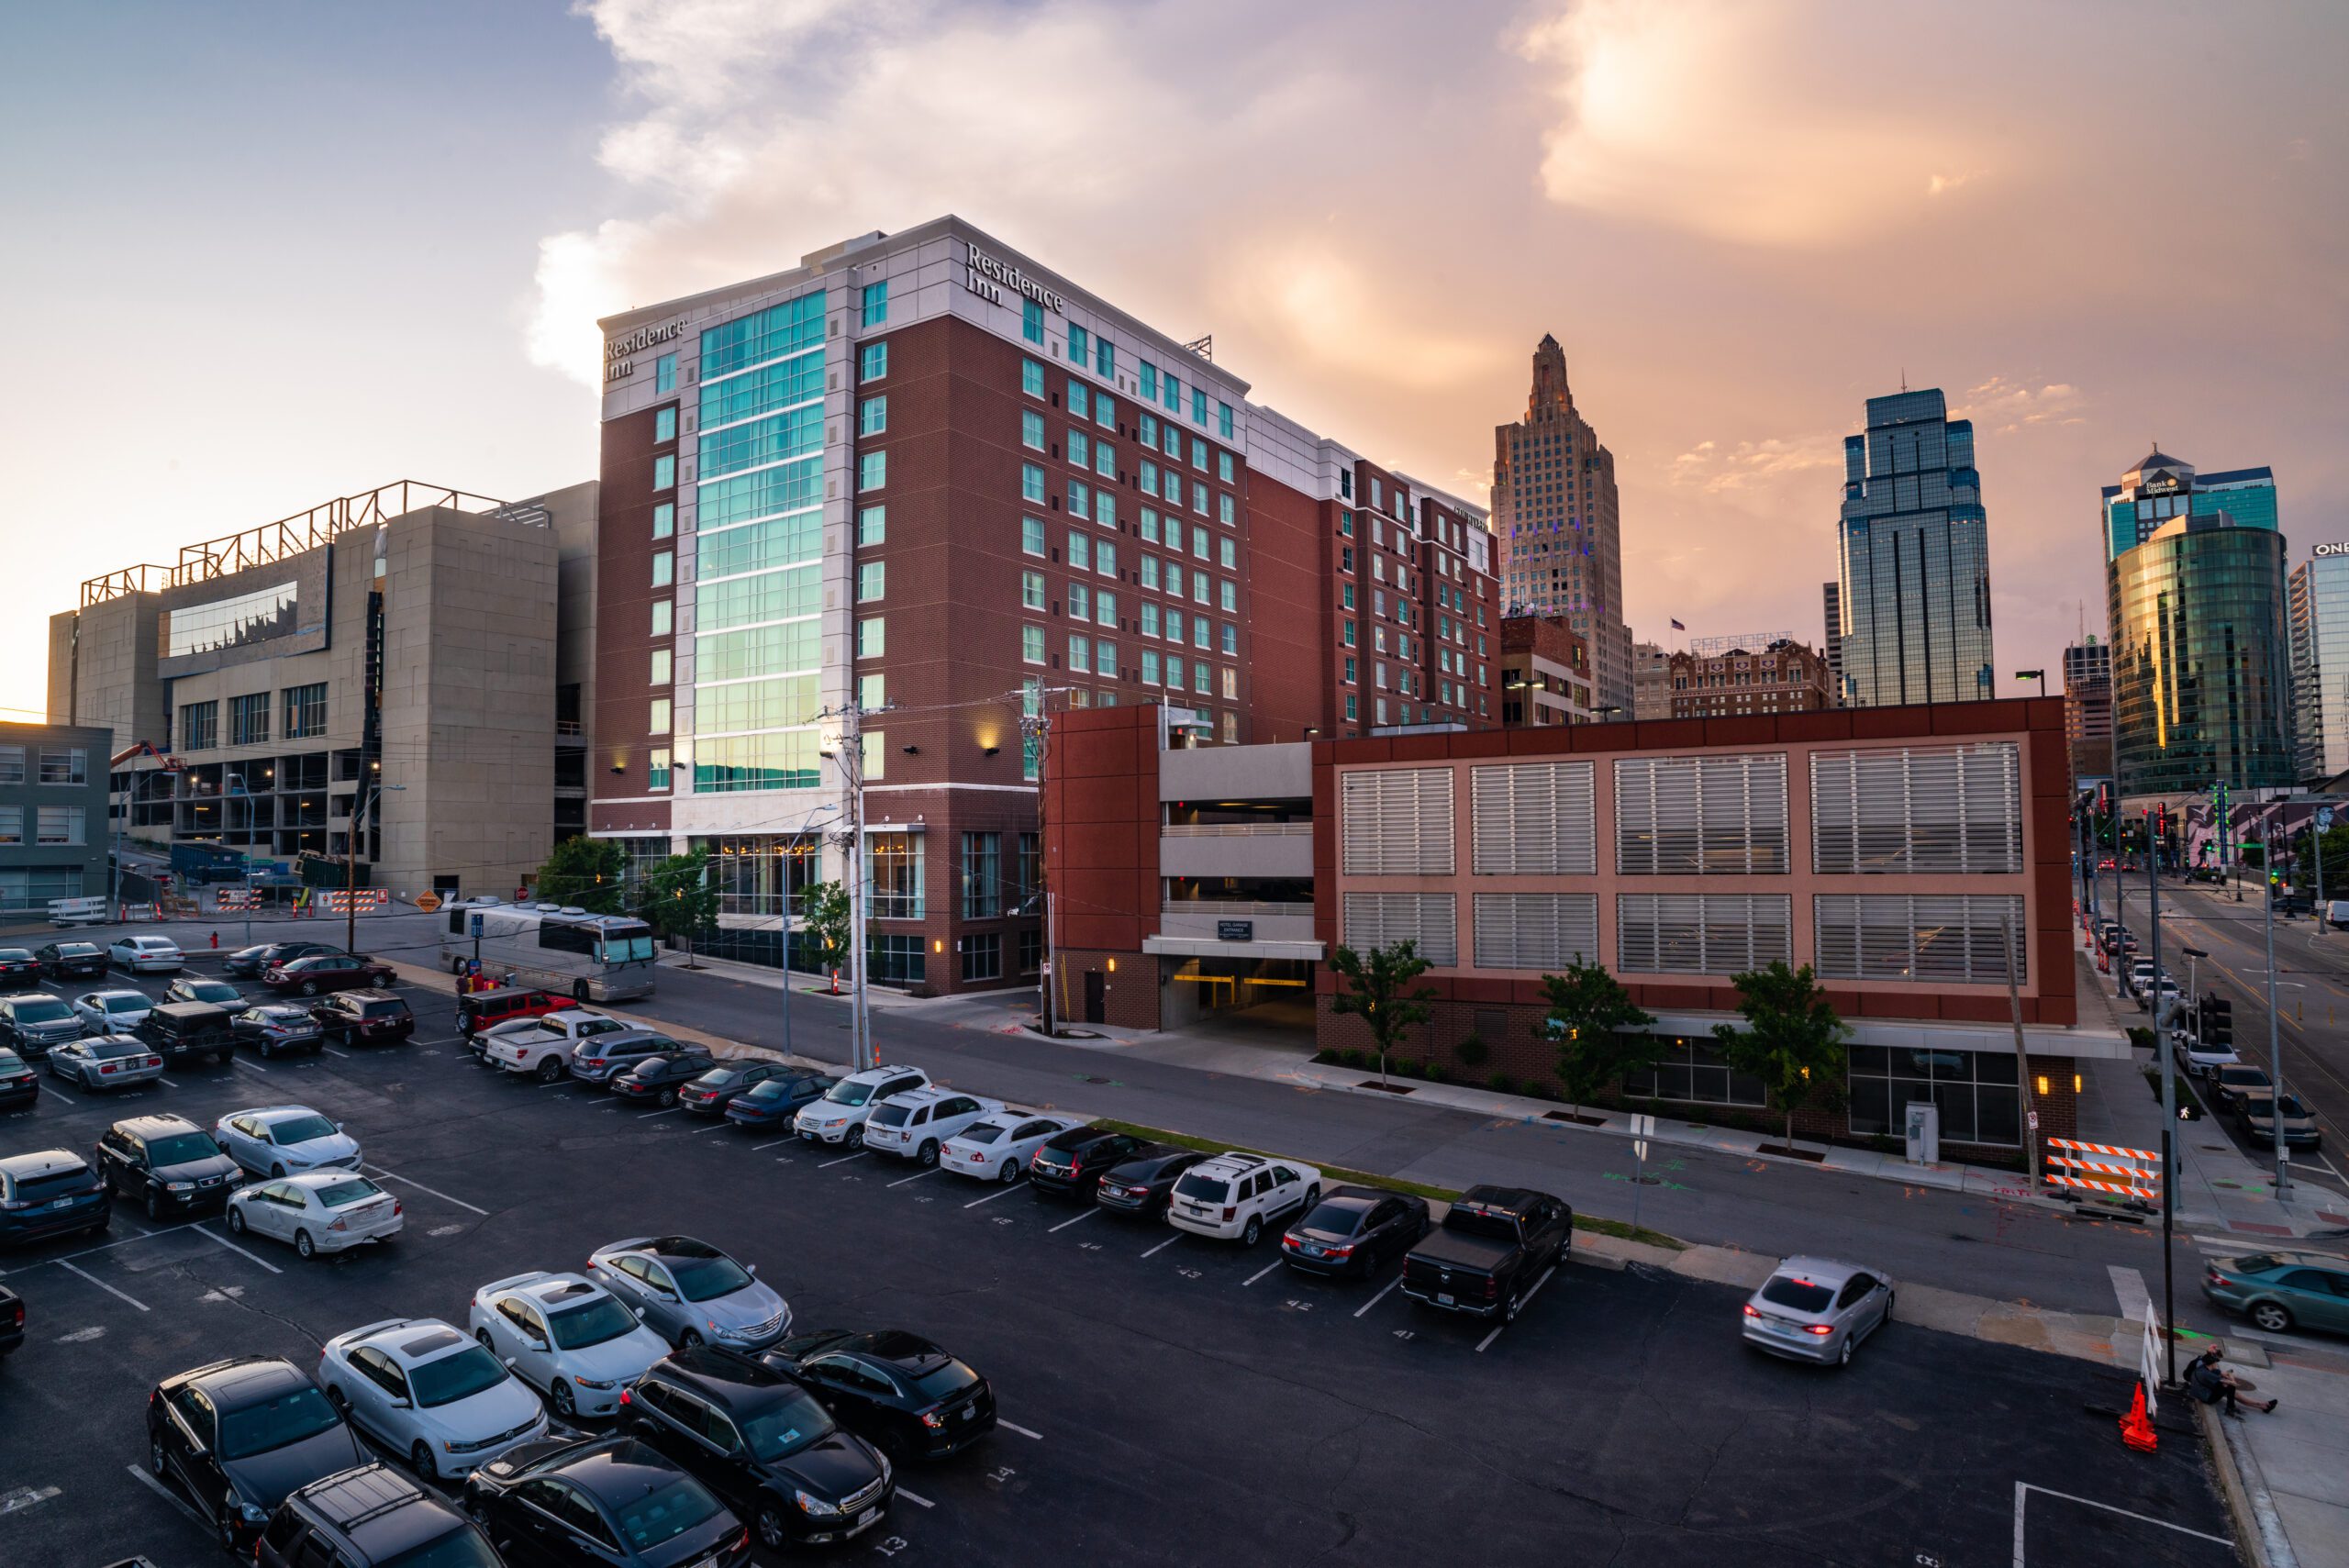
x: 590, y: 958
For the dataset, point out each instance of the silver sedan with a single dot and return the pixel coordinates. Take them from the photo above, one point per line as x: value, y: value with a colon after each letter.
x: 105, y: 1061
x: 111, y: 1012
x: 319, y: 1211
x: 1816, y: 1310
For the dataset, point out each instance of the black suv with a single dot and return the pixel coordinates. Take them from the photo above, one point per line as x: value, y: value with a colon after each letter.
x: 177, y: 1031
x: 251, y: 963
x: 1072, y: 1163
x: 371, y: 1018
x: 30, y: 1024
x: 369, y: 1516
x: 764, y: 1442
x: 50, y: 1193
x: 239, y: 1435
x: 169, y: 1161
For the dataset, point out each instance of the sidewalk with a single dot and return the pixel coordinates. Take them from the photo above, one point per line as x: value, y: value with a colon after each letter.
x: 2294, y: 1464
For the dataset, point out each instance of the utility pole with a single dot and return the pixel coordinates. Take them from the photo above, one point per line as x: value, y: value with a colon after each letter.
x: 851, y: 755
x: 2022, y: 1053
x: 1038, y: 726
x: 2275, y: 1044
x: 2318, y: 825
x: 351, y: 868
x: 2169, y: 1121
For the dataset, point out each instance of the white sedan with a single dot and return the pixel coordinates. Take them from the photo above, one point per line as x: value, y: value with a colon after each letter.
x: 567, y: 1335
x: 112, y: 1012
x: 319, y: 1211
x: 278, y: 1140
x: 145, y: 955
x: 998, y: 1148
x: 421, y: 1388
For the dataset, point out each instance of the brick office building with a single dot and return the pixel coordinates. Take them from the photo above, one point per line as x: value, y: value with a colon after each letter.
x: 1735, y: 677
x: 1545, y: 673
x: 1892, y: 850
x: 922, y: 475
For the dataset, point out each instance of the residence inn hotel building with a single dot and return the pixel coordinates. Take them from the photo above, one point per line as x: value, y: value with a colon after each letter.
x: 923, y: 475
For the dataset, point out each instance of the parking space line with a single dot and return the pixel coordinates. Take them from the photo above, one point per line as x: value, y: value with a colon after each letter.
x: 1016, y: 1427
x: 331, y: 1051
x: 841, y: 1161
x: 166, y: 1083
x: 916, y: 1176
x: 2024, y: 1488
x: 48, y: 1089
x: 916, y: 1498
x: 419, y: 1186
x: 100, y: 1284
x: 648, y: 1116
x: 1374, y: 1300
x: 1001, y: 1191
x: 762, y: 1148
x: 173, y: 1498
x: 1260, y: 1273
x: 715, y: 1127
x: 224, y: 1241
x: 1066, y: 1223
x: 1164, y: 1245
x: 248, y: 1066
x: 1528, y: 1297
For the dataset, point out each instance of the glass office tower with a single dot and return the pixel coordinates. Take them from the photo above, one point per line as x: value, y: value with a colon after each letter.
x: 2319, y: 633
x: 2200, y: 679
x: 1914, y: 557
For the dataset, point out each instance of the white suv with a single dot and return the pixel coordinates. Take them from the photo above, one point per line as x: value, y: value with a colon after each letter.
x: 839, y: 1117
x: 912, y: 1125
x: 543, y: 1045
x: 1238, y: 1195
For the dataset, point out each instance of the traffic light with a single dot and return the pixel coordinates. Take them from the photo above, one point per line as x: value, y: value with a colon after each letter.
x: 2215, y: 1022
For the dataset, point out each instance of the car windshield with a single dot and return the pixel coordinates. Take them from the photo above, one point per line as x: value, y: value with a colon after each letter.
x: 600, y: 1319
x: 945, y: 1378
x: 2255, y: 1262
x: 983, y: 1132
x: 181, y: 1147
x: 849, y: 1092
x: 10, y: 1062
x: 787, y: 1426
x: 451, y: 1378
x: 891, y: 1115
x: 301, y: 1128
x: 2243, y: 1077
x: 42, y: 1012
x: 2291, y: 1107
x: 15, y: 955
x: 463, y: 1547
x: 706, y: 1279
x: 296, y: 1414
x: 1335, y: 1218
x: 133, y: 1004
x: 1202, y: 1189
x: 214, y: 991
x: 667, y: 1513
x: 1784, y: 1290
x: 343, y: 1194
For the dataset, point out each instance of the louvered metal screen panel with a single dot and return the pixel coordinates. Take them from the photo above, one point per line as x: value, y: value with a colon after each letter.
x: 1542, y: 931
x: 1396, y: 822
x: 1430, y: 921
x: 1700, y: 816
x: 1535, y: 819
x: 1951, y: 938
x: 1701, y: 933
x: 1928, y: 810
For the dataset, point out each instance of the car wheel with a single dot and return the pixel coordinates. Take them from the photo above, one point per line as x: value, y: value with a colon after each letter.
x: 276, y: 1172
x: 224, y: 1520
x: 419, y: 1458
x: 339, y: 1400
x: 1843, y: 1356
x: 769, y: 1525
x: 579, y: 991
x: 456, y: 966
x: 668, y: 1097
x: 855, y: 1138
x: 1255, y: 1229
x: 565, y: 1403
x: 1888, y: 1299
x: 303, y: 1245
x: 550, y: 1070
x: 929, y: 1155
x: 309, y: 988
x: 235, y: 1219
x: 154, y: 1204
x: 155, y: 1454
x: 267, y: 1050
x: 1313, y: 1196
x: 2272, y: 1316
x: 1510, y: 1308
x: 688, y: 1340
x: 1010, y: 1173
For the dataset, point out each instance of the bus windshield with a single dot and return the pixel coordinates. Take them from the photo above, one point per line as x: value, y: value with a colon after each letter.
x: 628, y: 947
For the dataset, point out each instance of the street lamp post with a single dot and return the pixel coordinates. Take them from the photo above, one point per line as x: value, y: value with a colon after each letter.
x: 2169, y: 1117
x: 2275, y: 1039
x: 2038, y: 675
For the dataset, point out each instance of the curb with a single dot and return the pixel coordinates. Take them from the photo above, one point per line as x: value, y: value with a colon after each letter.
x: 2259, y: 1534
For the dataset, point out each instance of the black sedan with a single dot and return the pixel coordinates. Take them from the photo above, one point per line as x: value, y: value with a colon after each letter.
x: 896, y: 1390
x: 1355, y: 1229
x: 710, y: 1093
x: 18, y: 968
x: 251, y: 963
x: 72, y: 961
x: 18, y: 1083
x: 1072, y: 1163
x: 237, y: 1435
x: 272, y: 1026
x: 659, y: 1077
x: 601, y: 1501
x: 1143, y: 1184
x: 774, y: 1102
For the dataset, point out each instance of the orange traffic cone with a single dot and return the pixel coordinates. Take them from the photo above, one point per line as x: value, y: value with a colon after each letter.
x: 2136, y: 1430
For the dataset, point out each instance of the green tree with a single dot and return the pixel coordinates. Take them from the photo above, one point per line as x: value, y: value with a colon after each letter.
x: 1590, y: 1017
x: 824, y: 916
x: 679, y: 898
x: 1792, y: 1039
x: 1379, y: 992
x: 585, y: 871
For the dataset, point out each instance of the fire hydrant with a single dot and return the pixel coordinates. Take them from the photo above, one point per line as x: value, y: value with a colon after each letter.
x: 215, y: 941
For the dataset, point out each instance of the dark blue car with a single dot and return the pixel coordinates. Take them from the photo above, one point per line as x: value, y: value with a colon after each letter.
x: 50, y: 1194
x: 772, y: 1104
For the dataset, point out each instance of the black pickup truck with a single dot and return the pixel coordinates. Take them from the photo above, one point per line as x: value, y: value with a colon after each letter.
x: 1490, y: 1253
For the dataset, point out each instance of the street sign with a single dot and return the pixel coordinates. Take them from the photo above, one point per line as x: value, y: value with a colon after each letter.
x: 2324, y: 818
x: 1235, y: 930
x: 428, y: 902
x: 473, y: 925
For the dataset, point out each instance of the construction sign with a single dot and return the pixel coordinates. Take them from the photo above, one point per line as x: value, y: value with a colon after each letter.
x: 342, y: 901
x: 428, y: 902
x: 2107, y: 1168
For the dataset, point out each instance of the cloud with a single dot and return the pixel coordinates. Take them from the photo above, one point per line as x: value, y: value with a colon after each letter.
x: 2005, y: 407
x: 1730, y: 120
x: 1769, y: 462
x: 1315, y: 302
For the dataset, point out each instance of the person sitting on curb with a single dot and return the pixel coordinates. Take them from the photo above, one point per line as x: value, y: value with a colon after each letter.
x: 2210, y: 1383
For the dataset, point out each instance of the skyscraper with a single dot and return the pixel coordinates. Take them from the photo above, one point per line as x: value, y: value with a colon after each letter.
x: 2161, y: 487
x: 1559, y: 524
x: 2087, y: 707
x: 2319, y: 640
x: 1914, y: 557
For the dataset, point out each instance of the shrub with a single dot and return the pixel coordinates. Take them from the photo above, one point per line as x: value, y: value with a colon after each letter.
x: 1325, y: 1057
x: 1354, y: 1057
x: 1504, y: 1082
x: 1471, y: 1050
x: 1539, y: 1090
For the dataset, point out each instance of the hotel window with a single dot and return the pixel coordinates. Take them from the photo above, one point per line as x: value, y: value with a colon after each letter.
x: 663, y: 617
x: 305, y: 711
x: 1105, y: 460
x: 1231, y: 640
x: 1032, y: 483
x: 1080, y: 602
x: 1080, y: 499
x: 248, y: 725
x: 1198, y: 452
x: 1105, y: 409
x: 1223, y: 465
x: 658, y: 770
x: 983, y: 950
x: 1175, y: 578
x: 872, y: 361
x: 1080, y: 654
x: 1199, y: 496
x: 872, y: 580
x: 896, y: 958
x: 12, y: 824
x: 1105, y: 607
x: 1227, y: 514
x: 1149, y: 379
x: 1031, y: 378
x: 1228, y: 552
x: 1228, y: 593
x: 199, y: 731
x: 664, y: 471
x: 1104, y: 359
x: 1148, y: 613
x: 894, y: 864
x: 1031, y: 590
x: 872, y: 691
x: 1077, y: 406
x: 1105, y: 664
x: 1032, y: 644
x: 872, y: 470
x: 1202, y: 543
x: 1688, y: 1072
x: 664, y: 373
x: 1198, y: 410
x: 1149, y: 571
x: 1351, y: 708
x: 1349, y: 670
x: 664, y: 424
x: 872, y: 525
x: 1079, y: 449
x: 1149, y: 667
x: 1104, y: 557
x: 1031, y: 321
x: 1174, y: 626
x: 1230, y: 683
x: 876, y: 302
x: 1223, y: 428
x: 1171, y: 486
x: 872, y: 637
x: 1350, y: 634
x: 1346, y: 595
x: 1149, y: 477
x: 1080, y: 552
x: 661, y: 673
x: 1201, y: 680
x: 664, y: 519
x: 657, y: 724
x: 1173, y: 673
x: 1031, y: 429
x: 59, y: 825
x: 1105, y: 509
x: 873, y: 416
x: 1974, y: 1091
x: 1032, y: 536
x: 982, y: 875
x: 1080, y: 345
x: 1174, y: 399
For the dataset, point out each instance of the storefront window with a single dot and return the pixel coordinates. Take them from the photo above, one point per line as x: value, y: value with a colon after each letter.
x: 1979, y: 1100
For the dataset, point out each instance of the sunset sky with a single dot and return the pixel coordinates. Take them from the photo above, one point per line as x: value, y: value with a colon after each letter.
x: 258, y: 255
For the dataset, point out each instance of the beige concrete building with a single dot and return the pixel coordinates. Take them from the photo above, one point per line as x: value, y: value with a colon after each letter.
x: 412, y: 659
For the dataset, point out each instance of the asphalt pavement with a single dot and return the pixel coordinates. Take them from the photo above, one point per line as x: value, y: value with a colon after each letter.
x: 1166, y: 1400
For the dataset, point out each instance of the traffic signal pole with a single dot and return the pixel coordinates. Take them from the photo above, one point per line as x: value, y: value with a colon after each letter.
x: 2169, y: 1118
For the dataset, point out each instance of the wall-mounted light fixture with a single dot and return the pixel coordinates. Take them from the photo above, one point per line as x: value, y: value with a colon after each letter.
x: 991, y: 751
x: 910, y: 750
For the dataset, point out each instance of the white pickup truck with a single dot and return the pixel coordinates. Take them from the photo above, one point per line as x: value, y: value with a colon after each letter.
x: 543, y: 1045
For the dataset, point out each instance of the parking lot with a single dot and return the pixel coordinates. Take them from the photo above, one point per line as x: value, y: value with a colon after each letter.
x: 1165, y: 1399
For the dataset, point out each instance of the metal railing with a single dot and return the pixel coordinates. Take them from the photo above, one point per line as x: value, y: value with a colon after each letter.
x: 1207, y: 906
x: 1237, y: 830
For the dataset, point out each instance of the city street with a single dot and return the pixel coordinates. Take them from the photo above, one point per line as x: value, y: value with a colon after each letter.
x: 1165, y: 1399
